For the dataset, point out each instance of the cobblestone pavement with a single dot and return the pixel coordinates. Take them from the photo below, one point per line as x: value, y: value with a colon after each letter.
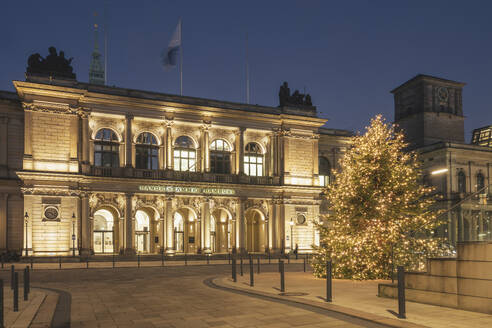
x: 170, y: 297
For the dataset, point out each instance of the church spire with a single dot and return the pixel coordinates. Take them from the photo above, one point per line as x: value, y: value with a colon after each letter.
x: 96, y: 71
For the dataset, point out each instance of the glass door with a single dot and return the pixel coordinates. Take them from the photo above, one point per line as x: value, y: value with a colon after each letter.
x: 98, y: 242
x: 103, y: 242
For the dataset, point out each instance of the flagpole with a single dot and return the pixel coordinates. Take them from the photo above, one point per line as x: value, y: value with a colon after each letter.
x: 181, y: 56
x: 247, y: 71
x: 105, y: 43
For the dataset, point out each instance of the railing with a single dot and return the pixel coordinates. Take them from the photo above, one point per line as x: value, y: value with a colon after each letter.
x: 183, y: 176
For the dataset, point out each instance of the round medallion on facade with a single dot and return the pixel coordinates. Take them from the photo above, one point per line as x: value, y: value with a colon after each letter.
x: 51, y: 213
x: 301, y: 218
x: 443, y: 94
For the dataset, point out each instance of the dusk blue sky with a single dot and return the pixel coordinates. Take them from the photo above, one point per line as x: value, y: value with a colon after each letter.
x: 347, y: 54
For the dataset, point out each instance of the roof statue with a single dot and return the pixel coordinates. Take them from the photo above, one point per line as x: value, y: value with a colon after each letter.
x: 54, y: 65
x: 297, y: 99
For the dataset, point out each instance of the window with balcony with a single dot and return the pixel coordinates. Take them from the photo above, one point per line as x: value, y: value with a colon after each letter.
x: 480, y: 181
x: 253, y: 160
x: 220, y: 157
x: 147, y: 152
x: 324, y: 171
x: 184, y: 154
x: 106, y: 149
x: 461, y: 182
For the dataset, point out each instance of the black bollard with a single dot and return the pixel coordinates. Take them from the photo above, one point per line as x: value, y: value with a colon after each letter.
x: 32, y: 263
x: 288, y: 258
x: 87, y: 262
x: 401, y: 292
x: 251, y: 273
x: 304, y: 264
x: 282, y: 276
x: 26, y: 289
x: 186, y: 260
x: 1, y: 303
x: 113, y: 260
x: 208, y: 259
x: 28, y: 279
x: 269, y: 257
x: 162, y: 258
x: 279, y: 261
x: 12, y: 274
x: 16, y: 292
x: 138, y: 260
x: 258, y: 269
x: 241, y: 266
x: 59, y: 262
x: 328, y: 281
x: 234, y: 275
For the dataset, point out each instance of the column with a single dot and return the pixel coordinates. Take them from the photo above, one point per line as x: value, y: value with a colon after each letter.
x: 206, y: 226
x: 205, y: 153
x: 169, y: 226
x: 85, y: 142
x: 162, y: 152
x: 273, y: 155
x: 3, y: 221
x: 128, y: 140
x: 280, y: 153
x: 85, y: 223
x: 27, y: 163
x: 273, y: 226
x: 281, y: 225
x: 241, y: 226
x: 240, y: 150
x: 129, y: 226
x: 169, y: 145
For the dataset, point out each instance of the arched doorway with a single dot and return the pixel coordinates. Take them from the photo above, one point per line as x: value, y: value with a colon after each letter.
x: 103, y: 231
x: 255, y: 231
x: 185, y: 231
x: 220, y: 231
x: 142, y: 232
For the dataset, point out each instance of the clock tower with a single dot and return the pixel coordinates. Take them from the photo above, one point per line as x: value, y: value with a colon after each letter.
x: 429, y: 109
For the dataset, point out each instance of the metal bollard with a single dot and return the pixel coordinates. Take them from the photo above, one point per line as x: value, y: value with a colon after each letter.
x: 297, y: 255
x: 113, y: 260
x: 241, y: 266
x: 328, y: 281
x: 28, y: 279
x: 269, y: 257
x: 32, y: 263
x: 186, y: 260
x: 138, y: 260
x: 288, y: 258
x: 279, y: 261
x: 26, y: 289
x: 304, y: 264
x: 162, y: 258
x: 1, y: 303
x: 87, y: 263
x: 282, y: 276
x: 12, y: 274
x: 401, y: 292
x: 16, y: 292
x: 258, y: 268
x: 251, y: 273
x: 59, y: 262
x: 208, y: 259
x: 234, y: 275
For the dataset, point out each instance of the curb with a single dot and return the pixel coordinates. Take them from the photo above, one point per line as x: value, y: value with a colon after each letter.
x: 217, y: 282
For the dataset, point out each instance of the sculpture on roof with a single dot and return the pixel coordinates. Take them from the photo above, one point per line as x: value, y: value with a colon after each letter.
x: 295, y: 100
x: 54, y: 65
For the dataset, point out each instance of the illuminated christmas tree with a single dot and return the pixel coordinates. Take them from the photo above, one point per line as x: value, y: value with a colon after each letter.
x: 381, y: 215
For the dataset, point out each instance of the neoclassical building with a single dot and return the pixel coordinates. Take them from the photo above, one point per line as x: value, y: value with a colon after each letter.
x: 91, y: 169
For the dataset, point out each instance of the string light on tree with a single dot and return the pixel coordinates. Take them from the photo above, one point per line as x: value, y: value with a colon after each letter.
x: 381, y: 215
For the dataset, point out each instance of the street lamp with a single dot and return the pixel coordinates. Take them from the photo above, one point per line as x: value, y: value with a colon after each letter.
x: 291, y: 235
x: 26, y: 220
x: 73, y: 233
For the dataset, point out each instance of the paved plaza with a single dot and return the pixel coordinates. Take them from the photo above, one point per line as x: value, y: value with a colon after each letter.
x: 170, y: 297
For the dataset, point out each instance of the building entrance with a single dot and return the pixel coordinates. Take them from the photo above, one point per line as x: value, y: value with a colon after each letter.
x: 142, y: 232
x: 103, y: 232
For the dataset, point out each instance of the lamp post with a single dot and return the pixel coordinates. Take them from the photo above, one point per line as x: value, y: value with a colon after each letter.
x: 26, y: 220
x: 73, y: 233
x: 291, y: 234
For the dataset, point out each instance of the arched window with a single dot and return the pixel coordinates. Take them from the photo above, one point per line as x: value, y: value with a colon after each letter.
x: 184, y: 154
x: 253, y: 160
x: 461, y: 182
x: 220, y: 157
x: 106, y: 149
x: 480, y: 181
x: 324, y: 171
x: 147, y: 152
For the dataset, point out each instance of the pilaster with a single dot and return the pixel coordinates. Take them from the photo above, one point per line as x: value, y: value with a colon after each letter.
x: 206, y: 226
x: 129, y: 226
x: 241, y: 225
x: 4, y: 147
x: 85, y: 223
x: 169, y: 144
x: 169, y: 226
x: 128, y: 140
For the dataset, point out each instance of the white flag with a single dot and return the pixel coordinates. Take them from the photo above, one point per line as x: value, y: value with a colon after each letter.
x: 169, y: 56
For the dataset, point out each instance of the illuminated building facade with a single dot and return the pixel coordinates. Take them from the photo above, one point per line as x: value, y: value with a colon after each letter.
x: 90, y: 169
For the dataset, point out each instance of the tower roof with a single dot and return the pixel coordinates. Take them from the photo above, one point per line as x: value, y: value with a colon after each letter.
x: 423, y: 77
x: 96, y: 71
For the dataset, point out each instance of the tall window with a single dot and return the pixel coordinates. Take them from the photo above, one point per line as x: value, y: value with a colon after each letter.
x: 220, y: 157
x: 184, y: 154
x: 480, y: 181
x: 106, y: 149
x: 461, y: 182
x: 253, y: 160
x: 324, y: 171
x: 147, y: 152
